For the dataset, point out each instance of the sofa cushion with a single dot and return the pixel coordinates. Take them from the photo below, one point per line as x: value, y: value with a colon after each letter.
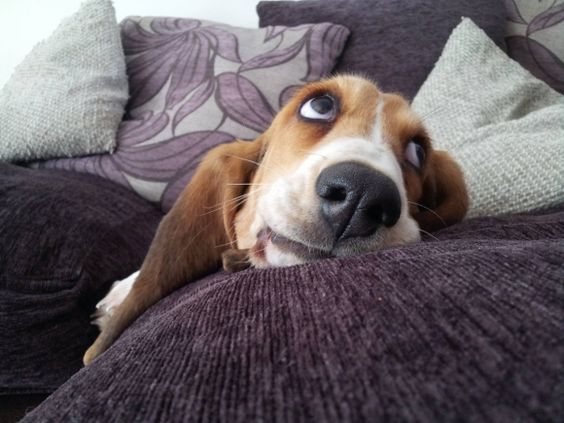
x: 64, y: 238
x: 67, y: 97
x: 503, y: 126
x: 467, y: 326
x: 534, y: 37
x: 396, y: 43
x: 196, y: 84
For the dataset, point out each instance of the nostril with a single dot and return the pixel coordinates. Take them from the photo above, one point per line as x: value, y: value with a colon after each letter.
x: 375, y: 214
x: 333, y: 193
x: 382, y: 214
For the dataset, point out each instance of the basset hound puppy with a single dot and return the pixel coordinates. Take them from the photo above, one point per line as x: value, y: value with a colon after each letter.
x: 343, y: 169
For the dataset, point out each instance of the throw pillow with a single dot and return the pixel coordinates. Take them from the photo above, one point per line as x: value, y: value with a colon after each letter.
x: 503, y: 125
x: 196, y: 84
x: 68, y: 95
x: 65, y: 239
x: 396, y: 43
x: 535, y: 38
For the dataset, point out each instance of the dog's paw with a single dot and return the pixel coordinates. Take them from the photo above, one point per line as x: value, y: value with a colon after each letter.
x: 107, y: 305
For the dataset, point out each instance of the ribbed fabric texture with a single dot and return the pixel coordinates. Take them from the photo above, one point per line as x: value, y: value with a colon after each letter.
x: 68, y: 95
x: 64, y: 239
x: 469, y: 327
x: 504, y: 126
x: 395, y: 43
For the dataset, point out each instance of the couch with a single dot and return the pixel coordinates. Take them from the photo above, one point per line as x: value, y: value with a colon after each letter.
x: 467, y: 325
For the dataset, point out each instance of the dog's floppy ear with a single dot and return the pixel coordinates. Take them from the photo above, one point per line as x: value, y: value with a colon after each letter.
x: 191, y: 237
x: 444, y: 199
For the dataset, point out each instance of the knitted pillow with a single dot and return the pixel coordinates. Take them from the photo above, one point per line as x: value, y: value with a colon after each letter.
x: 196, y: 84
x: 68, y: 95
x: 396, y: 43
x: 504, y: 126
x: 535, y: 38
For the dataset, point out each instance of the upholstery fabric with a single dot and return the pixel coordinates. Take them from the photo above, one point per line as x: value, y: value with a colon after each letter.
x: 465, y: 327
x: 396, y: 43
x: 67, y: 97
x: 64, y: 238
x: 196, y: 84
x: 535, y: 38
x: 504, y: 126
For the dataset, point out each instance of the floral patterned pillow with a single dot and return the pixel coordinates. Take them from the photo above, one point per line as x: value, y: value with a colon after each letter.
x: 535, y: 38
x: 196, y: 84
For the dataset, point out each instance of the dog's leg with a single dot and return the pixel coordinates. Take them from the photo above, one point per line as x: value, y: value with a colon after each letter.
x: 190, y: 238
x: 107, y: 305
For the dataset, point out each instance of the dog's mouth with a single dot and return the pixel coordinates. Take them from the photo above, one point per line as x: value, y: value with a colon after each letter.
x: 299, y: 249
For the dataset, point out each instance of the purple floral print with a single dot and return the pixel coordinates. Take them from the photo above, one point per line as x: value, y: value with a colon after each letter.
x: 535, y: 38
x: 196, y: 84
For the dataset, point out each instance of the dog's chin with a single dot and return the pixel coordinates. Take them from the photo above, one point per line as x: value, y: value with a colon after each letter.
x: 275, y: 250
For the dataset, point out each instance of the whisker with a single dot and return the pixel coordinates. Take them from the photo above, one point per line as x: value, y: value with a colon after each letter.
x: 246, y: 184
x: 233, y: 203
x: 431, y: 112
x: 230, y: 204
x: 250, y: 161
x: 243, y: 158
x: 429, y: 234
x: 218, y: 206
x: 431, y: 210
x: 223, y: 245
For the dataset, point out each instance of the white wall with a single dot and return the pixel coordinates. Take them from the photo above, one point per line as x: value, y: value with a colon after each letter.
x: 25, y: 22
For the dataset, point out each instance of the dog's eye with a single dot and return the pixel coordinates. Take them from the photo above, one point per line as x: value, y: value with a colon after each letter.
x: 415, y: 154
x: 319, y: 108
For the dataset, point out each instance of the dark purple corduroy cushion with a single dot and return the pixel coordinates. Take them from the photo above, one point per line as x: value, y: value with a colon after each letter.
x: 64, y: 238
x: 397, y: 42
x: 468, y: 327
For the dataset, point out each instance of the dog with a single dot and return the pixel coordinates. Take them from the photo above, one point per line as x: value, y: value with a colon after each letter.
x: 343, y: 169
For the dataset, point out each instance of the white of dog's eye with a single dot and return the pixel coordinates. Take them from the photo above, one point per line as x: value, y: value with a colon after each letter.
x: 319, y: 108
x: 415, y: 154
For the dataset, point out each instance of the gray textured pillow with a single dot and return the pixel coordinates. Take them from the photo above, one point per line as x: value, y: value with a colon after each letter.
x: 504, y: 126
x: 68, y: 95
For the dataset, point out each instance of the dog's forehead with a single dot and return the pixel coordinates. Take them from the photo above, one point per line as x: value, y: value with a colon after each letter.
x: 362, y: 107
x: 363, y: 112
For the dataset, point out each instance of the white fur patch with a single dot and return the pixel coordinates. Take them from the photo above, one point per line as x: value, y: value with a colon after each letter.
x: 118, y: 292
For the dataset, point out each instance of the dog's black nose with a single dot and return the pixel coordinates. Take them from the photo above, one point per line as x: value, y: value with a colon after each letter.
x: 356, y: 199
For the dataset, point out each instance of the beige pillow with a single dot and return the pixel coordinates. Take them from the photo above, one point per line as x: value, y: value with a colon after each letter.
x: 504, y: 126
x: 68, y: 95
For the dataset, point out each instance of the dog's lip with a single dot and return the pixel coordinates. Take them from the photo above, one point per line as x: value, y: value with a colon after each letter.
x: 299, y: 248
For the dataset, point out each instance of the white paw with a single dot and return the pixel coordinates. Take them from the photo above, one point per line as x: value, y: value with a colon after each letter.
x: 107, y: 305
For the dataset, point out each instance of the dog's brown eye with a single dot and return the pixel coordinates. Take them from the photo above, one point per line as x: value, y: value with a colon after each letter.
x: 319, y: 108
x: 415, y: 154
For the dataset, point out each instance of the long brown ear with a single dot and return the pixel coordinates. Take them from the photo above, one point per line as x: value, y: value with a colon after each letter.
x: 445, y: 198
x: 190, y: 238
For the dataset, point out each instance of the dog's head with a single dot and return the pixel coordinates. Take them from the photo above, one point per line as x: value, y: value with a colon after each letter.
x: 343, y: 169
